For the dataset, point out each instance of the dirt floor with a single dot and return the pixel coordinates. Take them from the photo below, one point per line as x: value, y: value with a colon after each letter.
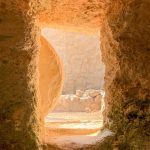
x: 74, y: 129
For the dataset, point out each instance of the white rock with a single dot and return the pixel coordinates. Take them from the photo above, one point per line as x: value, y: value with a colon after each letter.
x: 87, y: 98
x: 90, y: 101
x: 74, y: 98
x: 79, y: 93
x: 92, y: 93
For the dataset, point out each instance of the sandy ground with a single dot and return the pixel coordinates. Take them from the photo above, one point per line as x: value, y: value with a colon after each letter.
x: 71, y: 130
x: 73, y: 123
x: 78, y: 141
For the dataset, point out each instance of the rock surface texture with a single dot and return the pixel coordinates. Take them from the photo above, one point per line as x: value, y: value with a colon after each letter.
x: 50, y: 77
x: 19, y: 101
x: 81, y: 15
x: 125, y: 45
x: 83, y: 68
x: 88, y: 101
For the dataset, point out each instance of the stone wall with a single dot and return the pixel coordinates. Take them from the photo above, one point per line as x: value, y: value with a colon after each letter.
x: 81, y: 58
x: 83, y: 101
x: 125, y: 47
x: 84, y: 16
x: 19, y: 101
x: 125, y: 37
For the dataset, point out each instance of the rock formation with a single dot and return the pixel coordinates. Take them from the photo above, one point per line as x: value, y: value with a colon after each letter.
x: 83, y: 68
x: 82, y: 16
x: 19, y: 100
x: 50, y: 85
x: 88, y: 101
x: 125, y: 48
x: 125, y: 44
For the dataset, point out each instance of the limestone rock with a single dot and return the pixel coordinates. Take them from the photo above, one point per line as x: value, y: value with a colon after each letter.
x: 74, y: 98
x: 84, y: 103
x: 79, y: 93
x: 92, y: 93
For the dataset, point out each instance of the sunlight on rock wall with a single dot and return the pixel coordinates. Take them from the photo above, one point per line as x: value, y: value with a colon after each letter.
x: 51, y: 77
x: 81, y: 57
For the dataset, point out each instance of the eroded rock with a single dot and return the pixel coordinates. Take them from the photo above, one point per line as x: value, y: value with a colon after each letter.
x: 79, y: 93
x: 82, y: 103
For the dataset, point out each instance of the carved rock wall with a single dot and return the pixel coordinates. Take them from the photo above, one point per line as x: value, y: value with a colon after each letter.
x: 126, y: 53
x: 19, y: 103
x: 125, y: 48
x: 81, y: 15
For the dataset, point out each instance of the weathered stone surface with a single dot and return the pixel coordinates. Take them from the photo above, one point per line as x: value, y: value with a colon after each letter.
x: 79, y: 93
x: 83, y: 68
x: 19, y: 103
x: 50, y: 77
x: 126, y: 53
x: 74, y: 103
x: 125, y: 48
x: 92, y: 93
x: 81, y: 15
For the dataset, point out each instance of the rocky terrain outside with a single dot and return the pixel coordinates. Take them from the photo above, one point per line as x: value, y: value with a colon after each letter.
x: 81, y: 101
x: 77, y: 118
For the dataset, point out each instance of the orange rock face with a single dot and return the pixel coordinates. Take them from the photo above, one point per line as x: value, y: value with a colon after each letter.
x: 125, y: 49
x: 19, y: 101
x: 81, y: 15
x: 126, y: 53
x: 50, y: 77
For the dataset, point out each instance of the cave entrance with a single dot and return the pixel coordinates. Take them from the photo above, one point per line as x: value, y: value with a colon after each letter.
x: 77, y: 116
